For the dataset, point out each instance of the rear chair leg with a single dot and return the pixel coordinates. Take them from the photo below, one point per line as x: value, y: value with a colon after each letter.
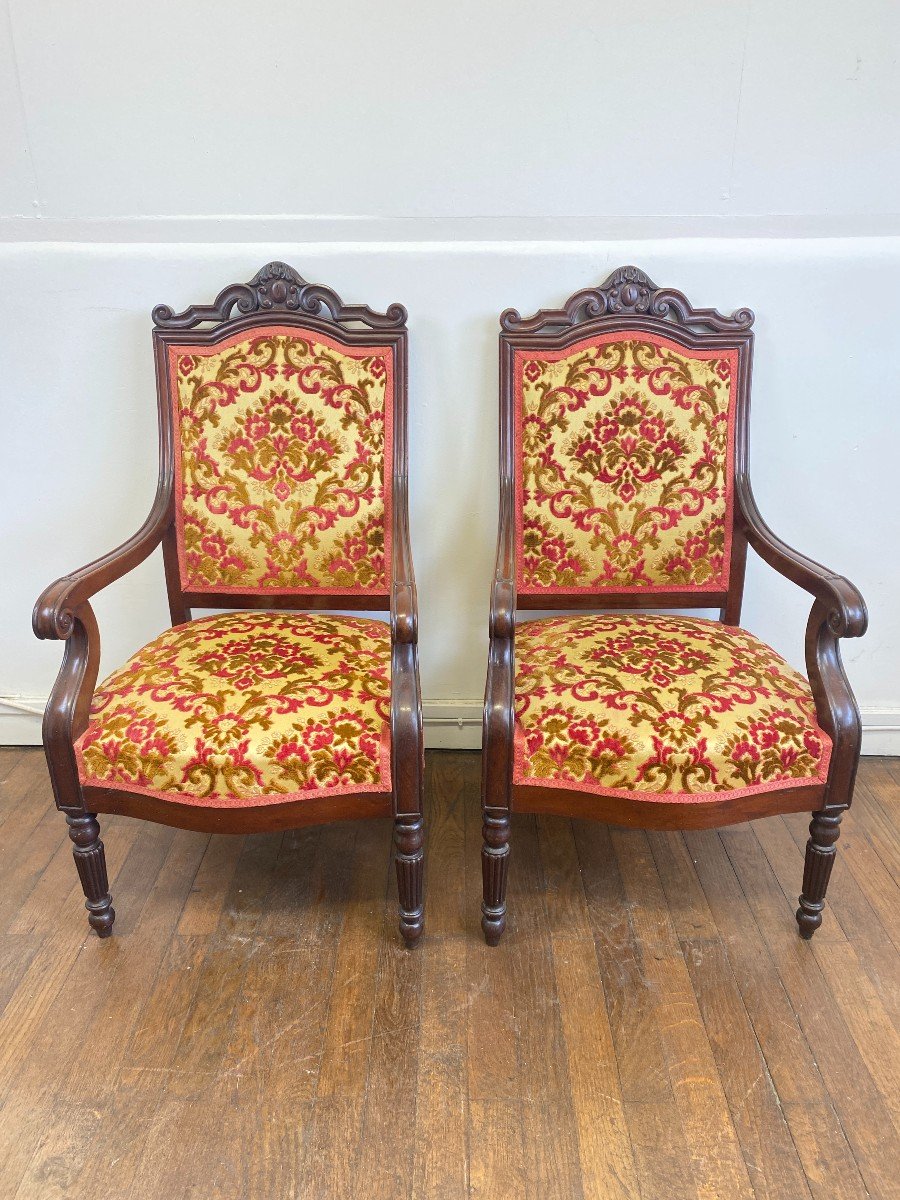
x: 824, y: 831
x: 494, y: 869
x: 409, y: 837
x: 90, y: 859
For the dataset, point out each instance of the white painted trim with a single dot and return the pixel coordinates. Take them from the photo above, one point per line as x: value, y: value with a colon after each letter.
x: 321, y: 228
x: 449, y: 724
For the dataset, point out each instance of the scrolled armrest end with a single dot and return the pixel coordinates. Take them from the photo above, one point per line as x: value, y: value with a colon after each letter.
x: 503, y: 609
x: 404, y: 617
x: 848, y: 616
x: 53, y: 618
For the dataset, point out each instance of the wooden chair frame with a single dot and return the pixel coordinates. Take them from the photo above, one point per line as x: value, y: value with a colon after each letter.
x: 276, y: 294
x: 629, y: 302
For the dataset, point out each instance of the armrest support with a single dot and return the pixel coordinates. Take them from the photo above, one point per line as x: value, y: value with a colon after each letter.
x: 54, y: 612
x: 838, y: 611
x: 844, y: 606
x: 404, y: 600
x: 407, y: 741
x: 499, y: 692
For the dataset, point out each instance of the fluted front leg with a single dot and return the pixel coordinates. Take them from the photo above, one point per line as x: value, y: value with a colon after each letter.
x: 824, y: 831
x: 494, y: 869
x: 90, y: 859
x: 409, y: 837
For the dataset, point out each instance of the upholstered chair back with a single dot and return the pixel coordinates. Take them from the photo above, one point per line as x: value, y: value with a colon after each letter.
x: 624, y: 453
x: 283, y: 462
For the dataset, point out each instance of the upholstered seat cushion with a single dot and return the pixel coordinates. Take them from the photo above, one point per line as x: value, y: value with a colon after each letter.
x: 660, y: 707
x: 245, y: 709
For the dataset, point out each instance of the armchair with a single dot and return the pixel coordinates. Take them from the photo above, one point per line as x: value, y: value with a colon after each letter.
x: 282, y: 492
x: 624, y: 487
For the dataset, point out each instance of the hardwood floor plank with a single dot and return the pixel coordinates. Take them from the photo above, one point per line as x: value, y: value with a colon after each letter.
x: 451, y: 787
x: 26, y: 794
x: 874, y: 880
x: 491, y: 1021
x: 110, y: 980
x: 769, y: 1152
x: 855, y: 1097
x: 827, y: 1159
x: 565, y: 901
x: 662, y: 1159
x: 497, y: 1169
x: 857, y: 997
x: 389, y: 1117
x: 348, y: 1029
x: 604, y: 1147
x: 875, y: 808
x: 440, y: 1170
x: 716, y: 1158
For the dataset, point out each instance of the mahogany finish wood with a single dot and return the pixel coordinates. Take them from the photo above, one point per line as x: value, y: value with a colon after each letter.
x: 275, y: 295
x: 650, y: 1027
x: 629, y: 302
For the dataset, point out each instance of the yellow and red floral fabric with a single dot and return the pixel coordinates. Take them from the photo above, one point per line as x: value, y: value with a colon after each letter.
x: 283, y: 452
x: 624, y: 466
x: 247, y: 709
x: 660, y: 707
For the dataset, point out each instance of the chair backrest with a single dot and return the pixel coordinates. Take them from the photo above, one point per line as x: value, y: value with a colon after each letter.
x: 284, y: 434
x: 624, y: 418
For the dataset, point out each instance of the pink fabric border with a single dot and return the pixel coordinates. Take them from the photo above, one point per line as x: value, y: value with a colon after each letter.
x: 520, y: 357
x: 389, y: 399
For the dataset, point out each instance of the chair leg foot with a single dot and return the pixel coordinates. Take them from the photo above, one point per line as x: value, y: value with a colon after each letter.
x: 824, y: 831
x: 494, y: 870
x: 90, y: 859
x: 409, y: 838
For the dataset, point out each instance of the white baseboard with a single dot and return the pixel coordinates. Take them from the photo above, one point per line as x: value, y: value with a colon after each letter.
x: 20, y: 720
x: 452, y: 724
x: 449, y: 724
x: 881, y: 730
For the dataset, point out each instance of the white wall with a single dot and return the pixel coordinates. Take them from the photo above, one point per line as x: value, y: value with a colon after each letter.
x: 460, y: 158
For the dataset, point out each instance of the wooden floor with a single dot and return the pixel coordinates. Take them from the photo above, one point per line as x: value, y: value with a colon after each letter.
x: 651, y: 1026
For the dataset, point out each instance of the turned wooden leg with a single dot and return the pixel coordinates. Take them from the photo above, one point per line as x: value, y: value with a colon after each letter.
x: 90, y: 859
x: 824, y: 831
x: 494, y: 868
x: 409, y: 838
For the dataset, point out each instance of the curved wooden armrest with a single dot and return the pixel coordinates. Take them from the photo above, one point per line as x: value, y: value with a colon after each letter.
x: 404, y: 600
x: 842, y: 602
x: 54, y: 612
x: 503, y: 589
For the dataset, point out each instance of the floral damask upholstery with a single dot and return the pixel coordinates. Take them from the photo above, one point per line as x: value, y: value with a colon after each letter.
x: 624, y: 466
x: 246, y: 709
x: 283, y: 463
x: 660, y: 707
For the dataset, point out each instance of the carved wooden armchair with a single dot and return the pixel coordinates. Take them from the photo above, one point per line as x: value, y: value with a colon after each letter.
x: 623, y: 486
x: 282, y: 490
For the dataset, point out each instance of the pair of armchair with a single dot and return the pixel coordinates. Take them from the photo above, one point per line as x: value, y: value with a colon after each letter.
x: 283, y: 491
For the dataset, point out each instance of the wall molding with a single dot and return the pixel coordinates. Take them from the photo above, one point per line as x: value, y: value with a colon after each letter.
x: 228, y: 229
x: 449, y: 724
